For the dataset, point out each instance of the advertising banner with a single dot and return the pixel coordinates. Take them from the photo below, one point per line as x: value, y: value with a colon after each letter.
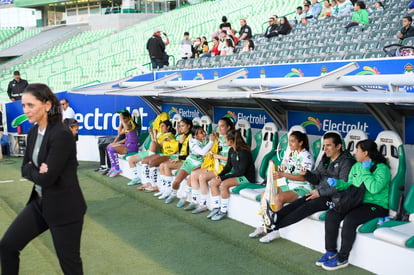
x: 319, y: 123
x: 409, y: 126
x: 256, y: 117
x: 186, y: 111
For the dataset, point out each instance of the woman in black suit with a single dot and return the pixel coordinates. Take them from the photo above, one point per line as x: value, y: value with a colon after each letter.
x: 56, y: 201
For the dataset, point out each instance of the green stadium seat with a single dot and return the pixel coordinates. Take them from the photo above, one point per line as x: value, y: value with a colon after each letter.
x: 375, y: 54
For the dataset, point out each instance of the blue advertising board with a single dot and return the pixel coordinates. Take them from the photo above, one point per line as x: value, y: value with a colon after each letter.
x: 409, y: 130
x: 186, y: 111
x: 96, y: 114
x: 319, y: 123
x: 256, y: 117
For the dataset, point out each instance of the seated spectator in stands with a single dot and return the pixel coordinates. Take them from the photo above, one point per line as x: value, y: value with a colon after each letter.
x: 407, y: 30
x: 306, y: 15
x: 306, y: 2
x: 214, y: 51
x: 298, y: 15
x: 202, y: 47
x: 233, y: 35
x: 326, y: 10
x: 194, y: 47
x: 199, y: 146
x: 335, y: 163
x: 174, y: 161
x: 377, y: 8
x: 293, y: 164
x: 245, y: 32
x: 272, y: 28
x: 285, y: 27
x: 411, y: 7
x: 334, y: 8
x: 315, y: 9
x: 222, y: 40
x: 73, y: 126
x: 228, y: 48
x: 239, y: 169
x: 125, y: 146
x: 67, y: 111
x: 371, y: 170
x: 248, y: 46
x: 185, y: 47
x: 360, y: 16
x: 345, y: 8
x: 201, y: 177
x: 225, y: 26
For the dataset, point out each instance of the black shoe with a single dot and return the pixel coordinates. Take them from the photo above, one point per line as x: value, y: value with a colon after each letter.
x: 106, y: 171
x: 101, y: 169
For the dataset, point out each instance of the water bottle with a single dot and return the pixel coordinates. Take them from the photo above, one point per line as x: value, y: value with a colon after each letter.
x: 380, y: 221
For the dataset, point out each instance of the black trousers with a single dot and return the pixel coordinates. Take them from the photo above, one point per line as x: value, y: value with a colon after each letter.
x: 352, y: 220
x: 300, y: 209
x: 103, y: 156
x: 30, y: 224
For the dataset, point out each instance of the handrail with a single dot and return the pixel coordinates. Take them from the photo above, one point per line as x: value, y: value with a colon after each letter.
x: 88, y: 83
x: 200, y: 24
x: 64, y: 74
x: 239, y: 9
x: 85, y: 52
x: 112, y: 56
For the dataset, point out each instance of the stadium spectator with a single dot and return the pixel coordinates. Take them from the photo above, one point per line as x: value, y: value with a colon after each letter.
x: 345, y: 8
x: 272, y: 28
x: 128, y: 145
x: 156, y: 50
x: 306, y: 15
x: 239, y: 169
x: 194, y: 47
x: 407, y: 30
x: 228, y: 48
x: 371, y: 170
x: 175, y: 161
x: 335, y: 163
x: 411, y: 7
x: 202, y: 47
x: 298, y: 15
x: 377, y: 8
x: 225, y: 26
x: 185, y: 47
x: 285, y: 27
x: 326, y: 10
x: 334, y: 8
x: 199, y: 146
x: 248, y: 46
x: 315, y: 9
x: 245, y: 31
x: 16, y: 87
x: 360, y: 16
x: 233, y: 35
x: 306, y: 2
x: 215, y: 50
x: 67, y: 111
x: 201, y: 177
x: 222, y: 42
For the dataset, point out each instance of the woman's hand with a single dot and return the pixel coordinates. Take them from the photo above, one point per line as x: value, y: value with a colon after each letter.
x: 278, y: 175
x: 43, y: 168
x: 313, y: 194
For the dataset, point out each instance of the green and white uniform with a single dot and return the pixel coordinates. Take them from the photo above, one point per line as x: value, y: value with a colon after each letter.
x: 197, y: 151
x: 223, y: 149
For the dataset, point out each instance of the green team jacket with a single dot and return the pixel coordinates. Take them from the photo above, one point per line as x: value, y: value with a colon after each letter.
x: 377, y: 183
x: 361, y: 17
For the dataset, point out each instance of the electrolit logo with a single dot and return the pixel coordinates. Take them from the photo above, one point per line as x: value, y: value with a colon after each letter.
x: 367, y: 70
x: 104, y: 121
x: 19, y: 120
x: 184, y: 112
x: 253, y: 119
x: 295, y: 73
x: 312, y: 121
x: 343, y: 127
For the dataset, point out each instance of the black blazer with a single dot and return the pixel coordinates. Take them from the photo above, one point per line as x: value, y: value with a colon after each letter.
x: 62, y: 198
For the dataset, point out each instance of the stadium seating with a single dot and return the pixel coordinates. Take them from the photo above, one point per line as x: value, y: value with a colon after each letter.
x: 206, y: 123
x: 352, y: 138
x: 175, y: 120
x: 17, y: 37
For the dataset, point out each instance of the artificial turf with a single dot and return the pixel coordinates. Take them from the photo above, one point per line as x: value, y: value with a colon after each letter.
x: 131, y: 232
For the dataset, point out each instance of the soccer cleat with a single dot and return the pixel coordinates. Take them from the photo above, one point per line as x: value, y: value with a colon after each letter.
x: 134, y: 181
x: 170, y: 199
x: 143, y: 186
x: 180, y: 203
x: 100, y: 169
x: 114, y: 173
x: 325, y: 257
x: 334, y: 264
x: 157, y: 194
x: 213, y: 212
x: 269, y: 217
x: 165, y: 194
x: 191, y: 206
x: 151, y: 189
x: 108, y: 171
x: 220, y: 215
x: 259, y: 231
x: 200, y: 209
x: 270, y: 237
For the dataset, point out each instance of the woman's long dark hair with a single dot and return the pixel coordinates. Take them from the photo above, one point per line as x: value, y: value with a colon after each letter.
x: 168, y: 124
x: 236, y: 137
x: 188, y: 122
x: 370, y: 146
x: 228, y: 121
x: 301, y: 137
x: 44, y: 94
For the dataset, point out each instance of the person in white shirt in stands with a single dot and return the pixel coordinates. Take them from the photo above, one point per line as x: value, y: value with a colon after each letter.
x: 185, y: 47
x: 67, y: 111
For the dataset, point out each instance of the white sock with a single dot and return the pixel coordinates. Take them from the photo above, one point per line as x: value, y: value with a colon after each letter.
x: 154, y: 175
x: 260, y: 221
x: 135, y: 171
x: 145, y: 173
x: 162, y: 183
x: 174, y: 193
x: 215, y: 201
x: 203, y: 199
x: 224, y: 205
x: 151, y: 153
x: 194, y: 195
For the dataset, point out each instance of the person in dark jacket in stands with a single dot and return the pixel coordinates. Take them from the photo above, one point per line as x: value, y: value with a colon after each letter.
x: 16, y: 87
x: 285, y: 27
x: 271, y: 30
x: 335, y: 163
x: 407, y: 30
x: 156, y: 50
